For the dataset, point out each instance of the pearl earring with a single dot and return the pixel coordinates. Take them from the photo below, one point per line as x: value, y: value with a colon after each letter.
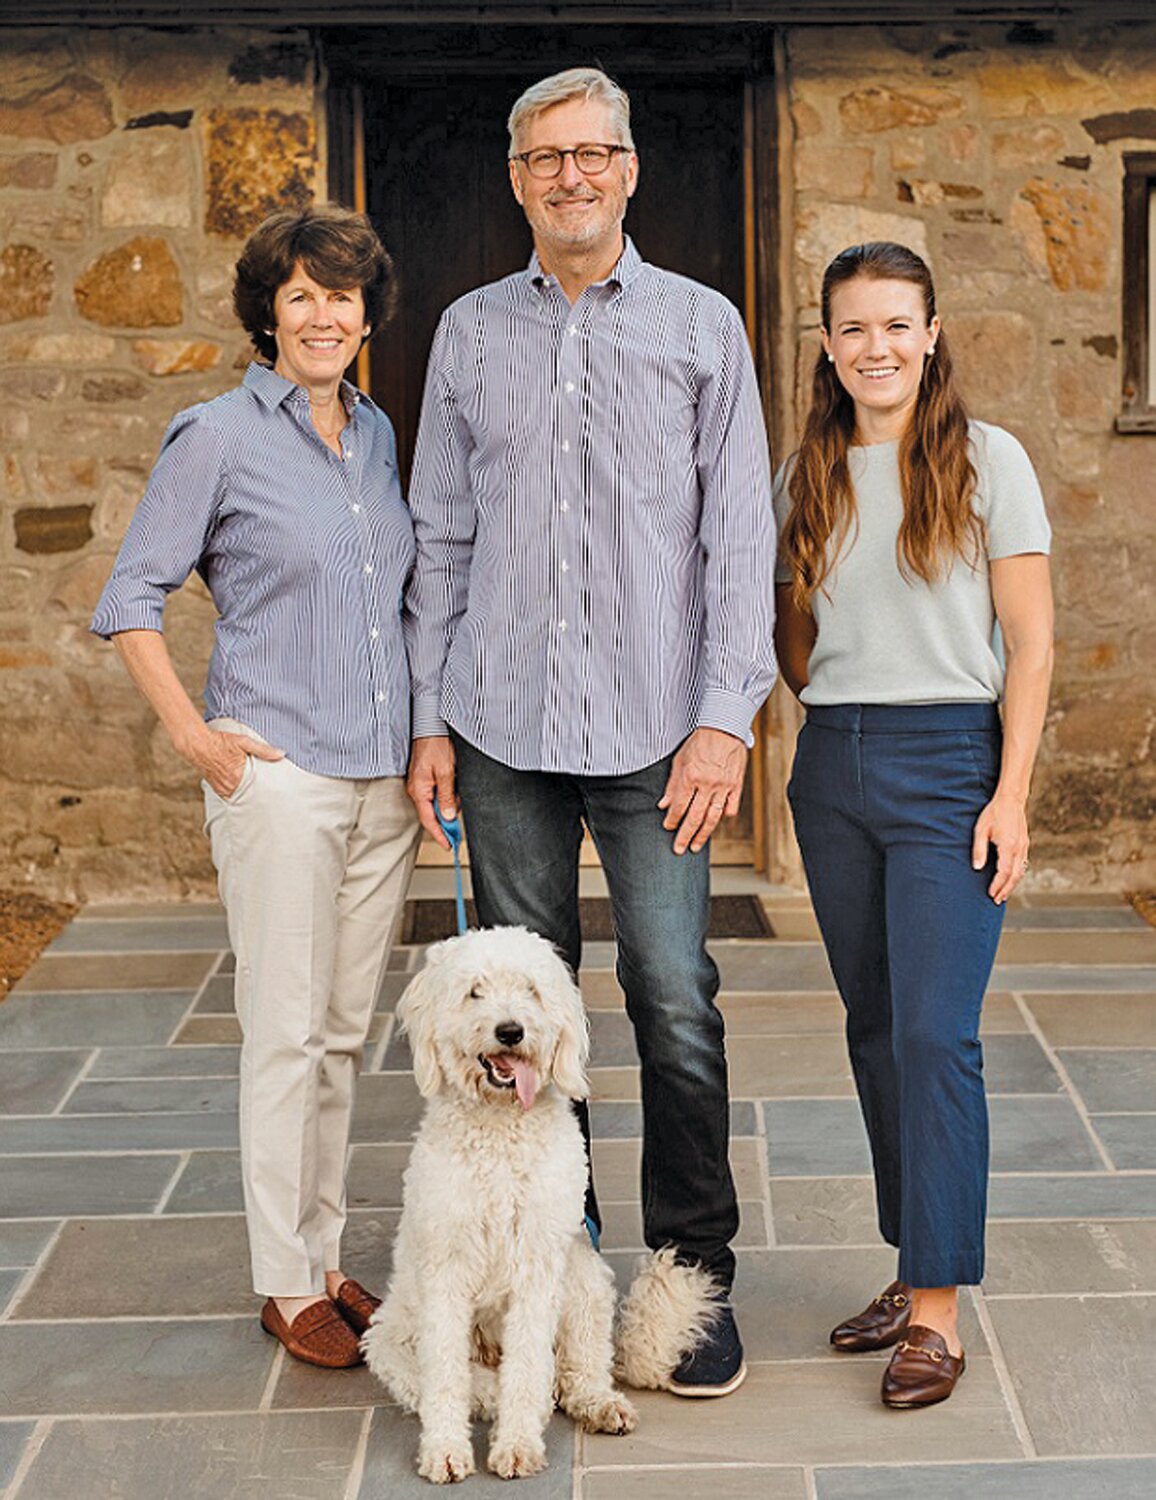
x: 830, y: 359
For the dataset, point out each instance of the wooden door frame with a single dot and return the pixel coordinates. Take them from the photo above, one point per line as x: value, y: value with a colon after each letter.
x: 753, y: 56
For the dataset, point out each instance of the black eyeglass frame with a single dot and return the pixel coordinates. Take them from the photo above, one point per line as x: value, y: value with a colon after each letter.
x: 612, y: 148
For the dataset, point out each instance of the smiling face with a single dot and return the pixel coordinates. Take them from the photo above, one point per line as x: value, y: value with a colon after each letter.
x: 879, y: 339
x: 318, y: 330
x: 571, y: 213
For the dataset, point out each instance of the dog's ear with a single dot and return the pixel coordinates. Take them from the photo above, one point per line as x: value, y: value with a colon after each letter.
x: 415, y: 1015
x: 568, y: 1068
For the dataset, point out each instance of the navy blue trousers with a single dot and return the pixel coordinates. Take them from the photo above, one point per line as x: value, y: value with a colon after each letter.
x: 885, y: 799
x: 525, y: 831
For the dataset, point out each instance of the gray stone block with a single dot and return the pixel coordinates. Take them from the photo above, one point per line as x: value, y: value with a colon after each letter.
x: 1113, y: 1078
x: 34, y: 1083
x: 270, y: 1456
x: 166, y: 1062
x: 155, y: 1096
x: 22, y: 1241
x: 1130, y: 1140
x: 79, y: 1133
x: 1070, y: 1479
x: 32, y: 1186
x: 118, y: 1019
x: 177, y: 934
x: 13, y: 1437
x: 391, y: 1462
x: 1082, y: 1256
x: 1093, y: 1195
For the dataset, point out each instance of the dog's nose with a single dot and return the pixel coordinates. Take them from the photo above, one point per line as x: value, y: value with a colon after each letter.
x: 509, y: 1033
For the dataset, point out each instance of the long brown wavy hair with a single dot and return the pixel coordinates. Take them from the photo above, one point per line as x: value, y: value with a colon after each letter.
x: 935, y: 468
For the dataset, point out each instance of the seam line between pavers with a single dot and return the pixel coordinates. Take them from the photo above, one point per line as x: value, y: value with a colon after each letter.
x: 81, y: 1075
x: 382, y: 1047
x: 214, y: 970
x: 1003, y: 1374
x: 763, y: 1160
x: 167, y: 1192
x: 32, y: 1272
x: 357, y: 1465
x: 265, y: 1404
x: 810, y: 1483
x: 36, y: 1440
x: 1065, y: 1078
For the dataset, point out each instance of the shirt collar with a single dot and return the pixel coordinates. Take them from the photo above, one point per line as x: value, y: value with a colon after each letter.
x: 627, y: 268
x: 272, y: 390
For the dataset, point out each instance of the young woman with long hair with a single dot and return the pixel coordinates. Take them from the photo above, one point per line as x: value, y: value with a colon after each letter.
x: 913, y: 598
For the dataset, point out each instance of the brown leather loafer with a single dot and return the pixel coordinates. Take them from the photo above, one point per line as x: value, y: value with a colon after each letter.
x: 878, y: 1326
x: 319, y: 1335
x: 356, y: 1305
x: 921, y: 1371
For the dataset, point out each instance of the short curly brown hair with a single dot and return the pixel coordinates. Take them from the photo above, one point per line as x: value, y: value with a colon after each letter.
x: 339, y: 248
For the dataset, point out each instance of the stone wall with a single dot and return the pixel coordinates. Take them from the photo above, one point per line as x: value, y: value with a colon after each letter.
x: 996, y: 152
x: 130, y: 166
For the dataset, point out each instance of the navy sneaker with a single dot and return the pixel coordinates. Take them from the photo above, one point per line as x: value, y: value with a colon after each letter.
x: 716, y: 1367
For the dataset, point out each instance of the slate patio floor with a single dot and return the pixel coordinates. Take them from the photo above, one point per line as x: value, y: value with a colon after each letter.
x: 132, y: 1364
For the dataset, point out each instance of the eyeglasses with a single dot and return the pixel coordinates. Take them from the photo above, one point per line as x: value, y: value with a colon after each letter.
x: 591, y: 160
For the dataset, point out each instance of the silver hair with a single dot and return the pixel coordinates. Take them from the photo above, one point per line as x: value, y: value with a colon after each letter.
x: 574, y: 83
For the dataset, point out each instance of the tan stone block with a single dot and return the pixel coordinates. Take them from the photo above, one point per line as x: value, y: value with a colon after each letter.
x: 124, y: 486
x: 1086, y: 392
x: 877, y: 108
x: 59, y: 477
x: 40, y: 58
x: 104, y: 390
x: 1079, y: 455
x: 40, y: 750
x: 963, y: 142
x: 64, y: 218
x: 77, y: 588
x: 35, y: 169
x: 928, y: 193
x: 807, y: 119
x: 1094, y: 583
x: 837, y: 172
x: 1076, y: 232
x: 215, y: 292
x: 1111, y: 728
x: 257, y: 161
x: 176, y: 356
x: 996, y: 351
x: 149, y: 181
x: 908, y: 152
x: 1031, y: 146
x: 1074, y: 505
x: 823, y: 229
x: 75, y: 109
x: 26, y: 281
x: 136, y: 285
x: 30, y: 385
x: 1012, y: 87
x: 166, y: 75
x: 15, y: 486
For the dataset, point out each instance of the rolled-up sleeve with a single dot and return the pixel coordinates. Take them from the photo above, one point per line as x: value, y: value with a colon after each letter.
x: 166, y: 538
x: 738, y: 539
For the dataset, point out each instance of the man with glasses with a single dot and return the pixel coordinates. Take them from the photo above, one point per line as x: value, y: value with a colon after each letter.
x: 589, y: 625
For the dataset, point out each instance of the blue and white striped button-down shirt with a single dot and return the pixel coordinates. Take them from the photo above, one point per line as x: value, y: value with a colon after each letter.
x: 595, y: 538
x: 306, y: 556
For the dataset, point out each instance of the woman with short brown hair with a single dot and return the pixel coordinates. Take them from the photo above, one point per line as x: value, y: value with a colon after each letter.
x: 283, y: 494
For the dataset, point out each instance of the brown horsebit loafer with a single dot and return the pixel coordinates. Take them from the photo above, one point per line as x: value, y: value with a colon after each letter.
x: 319, y: 1335
x: 921, y: 1371
x: 878, y: 1326
x: 355, y: 1305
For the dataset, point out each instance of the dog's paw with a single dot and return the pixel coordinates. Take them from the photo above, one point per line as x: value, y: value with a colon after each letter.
x: 614, y: 1414
x: 518, y: 1459
x: 445, y: 1463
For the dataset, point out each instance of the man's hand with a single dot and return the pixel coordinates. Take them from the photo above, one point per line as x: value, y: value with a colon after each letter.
x: 431, y: 774
x: 706, y: 782
x: 220, y: 756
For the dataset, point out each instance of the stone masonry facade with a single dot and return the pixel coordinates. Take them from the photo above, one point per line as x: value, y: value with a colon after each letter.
x: 132, y: 164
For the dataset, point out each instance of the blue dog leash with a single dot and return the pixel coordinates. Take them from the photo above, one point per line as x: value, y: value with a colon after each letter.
x: 452, y: 828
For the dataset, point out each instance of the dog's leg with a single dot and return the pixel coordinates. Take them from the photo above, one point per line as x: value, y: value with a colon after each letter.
x: 389, y: 1346
x: 445, y: 1322
x: 585, y: 1347
x: 526, y: 1376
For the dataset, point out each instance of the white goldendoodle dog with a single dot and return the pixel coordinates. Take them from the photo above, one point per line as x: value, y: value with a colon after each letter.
x: 498, y: 1305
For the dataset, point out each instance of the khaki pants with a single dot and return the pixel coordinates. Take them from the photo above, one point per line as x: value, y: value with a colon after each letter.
x: 313, y: 872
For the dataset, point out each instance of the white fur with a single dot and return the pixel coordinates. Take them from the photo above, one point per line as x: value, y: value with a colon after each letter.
x: 498, y: 1305
x: 667, y: 1312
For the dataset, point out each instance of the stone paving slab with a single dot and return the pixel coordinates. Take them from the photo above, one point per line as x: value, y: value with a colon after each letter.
x: 34, y: 1083
x: 161, y: 935
x: 13, y: 1437
x: 1074, y: 978
x: 209, y: 1183
x: 1067, y: 1479
x: 116, y: 1018
x: 9, y: 1281
x: 23, y: 1240
x: 1086, y: 1256
x: 735, y: 1482
x: 391, y: 1466
x: 1095, y: 1019
x: 154, y: 1096
x: 166, y: 1062
x: 1118, y: 918
x: 148, y: 1366
x: 618, y: 1165
x: 67, y: 972
x: 122, y: 1133
x: 622, y: 1225
x: 1130, y: 1140
x: 216, y: 997
x: 816, y: 1411
x: 144, y: 1268
x: 306, y: 1456
x: 1113, y: 1078
x: 32, y: 1186
x: 1136, y: 945
x: 615, y: 1120
x: 1084, y: 1370
x: 1079, y: 1195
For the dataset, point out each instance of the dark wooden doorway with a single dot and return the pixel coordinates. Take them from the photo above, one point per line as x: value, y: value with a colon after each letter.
x: 417, y: 126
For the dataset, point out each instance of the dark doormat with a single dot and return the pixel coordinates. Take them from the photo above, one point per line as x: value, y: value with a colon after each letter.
x: 730, y: 917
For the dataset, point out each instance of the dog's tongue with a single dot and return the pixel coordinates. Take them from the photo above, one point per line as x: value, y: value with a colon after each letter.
x: 525, y: 1079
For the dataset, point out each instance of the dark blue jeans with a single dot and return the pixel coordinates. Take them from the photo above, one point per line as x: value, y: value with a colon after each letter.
x: 525, y: 830
x: 885, y: 799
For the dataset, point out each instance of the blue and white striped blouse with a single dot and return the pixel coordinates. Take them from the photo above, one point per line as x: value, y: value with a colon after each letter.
x: 595, y: 538
x: 305, y: 554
